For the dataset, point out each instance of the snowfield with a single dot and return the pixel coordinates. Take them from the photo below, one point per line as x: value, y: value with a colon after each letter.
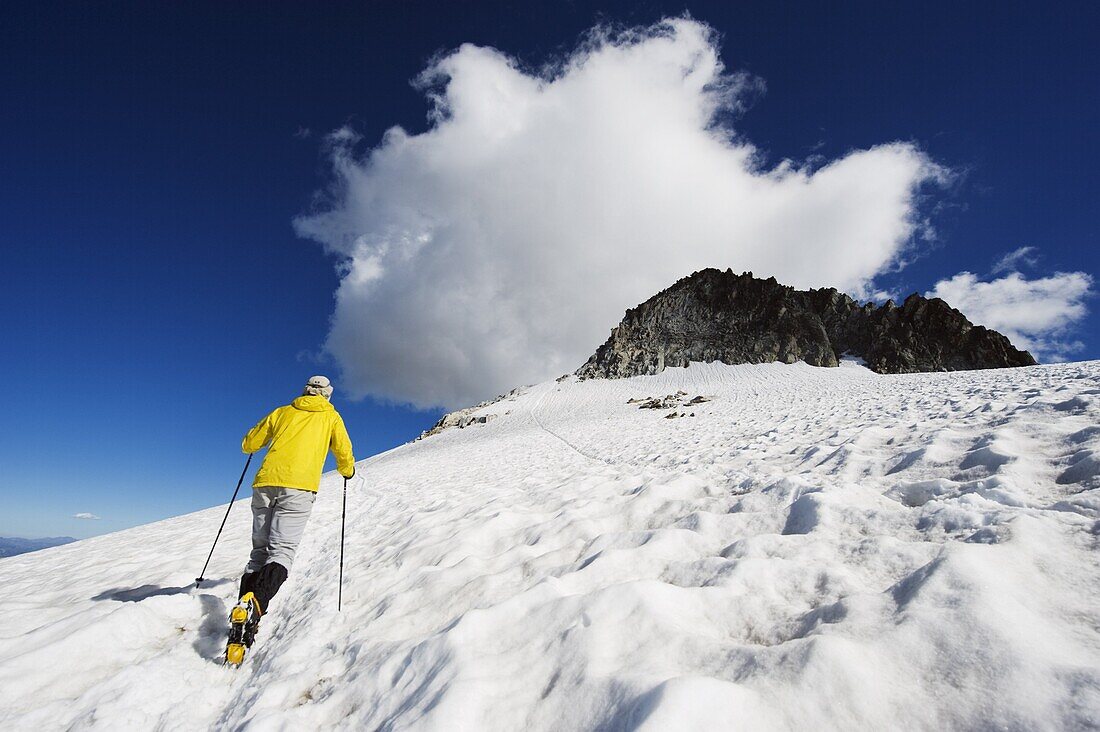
x: 813, y: 549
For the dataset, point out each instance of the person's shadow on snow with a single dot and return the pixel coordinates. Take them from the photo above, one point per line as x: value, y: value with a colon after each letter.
x: 210, y: 643
x: 137, y: 594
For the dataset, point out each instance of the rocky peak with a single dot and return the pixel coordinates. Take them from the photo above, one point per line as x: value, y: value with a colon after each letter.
x: 713, y: 315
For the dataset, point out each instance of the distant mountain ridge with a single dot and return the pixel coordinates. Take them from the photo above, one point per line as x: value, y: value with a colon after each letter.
x: 715, y: 315
x: 10, y: 546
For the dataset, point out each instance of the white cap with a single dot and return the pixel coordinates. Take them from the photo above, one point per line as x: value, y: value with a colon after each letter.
x: 318, y: 386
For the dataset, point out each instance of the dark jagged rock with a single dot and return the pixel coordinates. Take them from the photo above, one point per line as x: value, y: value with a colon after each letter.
x: 719, y: 316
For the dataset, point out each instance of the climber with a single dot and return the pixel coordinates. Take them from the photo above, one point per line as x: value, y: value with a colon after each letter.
x: 298, y: 437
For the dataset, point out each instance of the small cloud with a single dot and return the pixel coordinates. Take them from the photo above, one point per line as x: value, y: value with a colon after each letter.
x: 303, y: 133
x: 1011, y: 261
x: 1037, y: 314
x: 86, y: 515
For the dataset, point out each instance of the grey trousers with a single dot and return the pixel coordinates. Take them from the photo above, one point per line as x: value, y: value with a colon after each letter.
x: 279, y: 517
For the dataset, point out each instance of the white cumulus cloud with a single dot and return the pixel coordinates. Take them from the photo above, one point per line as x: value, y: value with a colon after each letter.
x: 86, y: 515
x: 501, y: 245
x: 1036, y: 314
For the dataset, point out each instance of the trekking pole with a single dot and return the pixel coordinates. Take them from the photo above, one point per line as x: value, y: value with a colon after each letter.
x: 202, y: 574
x: 343, y: 513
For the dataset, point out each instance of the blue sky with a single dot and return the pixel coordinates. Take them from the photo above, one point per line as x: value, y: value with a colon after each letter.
x: 159, y: 301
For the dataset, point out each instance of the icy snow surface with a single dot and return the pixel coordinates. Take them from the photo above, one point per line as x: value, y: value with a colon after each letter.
x: 814, y: 549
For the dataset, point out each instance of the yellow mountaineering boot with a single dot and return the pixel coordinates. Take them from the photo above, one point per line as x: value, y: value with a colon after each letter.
x: 244, y: 619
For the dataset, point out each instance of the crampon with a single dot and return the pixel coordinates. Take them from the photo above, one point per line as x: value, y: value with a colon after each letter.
x: 244, y: 622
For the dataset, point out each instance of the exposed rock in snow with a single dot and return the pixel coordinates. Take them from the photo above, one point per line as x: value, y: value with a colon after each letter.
x: 719, y: 316
x: 463, y: 418
x: 671, y: 401
x: 824, y: 549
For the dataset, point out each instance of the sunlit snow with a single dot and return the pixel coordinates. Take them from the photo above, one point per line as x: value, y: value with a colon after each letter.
x: 813, y: 549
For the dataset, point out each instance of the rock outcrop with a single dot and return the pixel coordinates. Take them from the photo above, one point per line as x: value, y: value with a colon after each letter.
x: 719, y: 316
x: 463, y: 418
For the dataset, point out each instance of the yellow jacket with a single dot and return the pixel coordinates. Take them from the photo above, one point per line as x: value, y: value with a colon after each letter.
x: 300, y: 436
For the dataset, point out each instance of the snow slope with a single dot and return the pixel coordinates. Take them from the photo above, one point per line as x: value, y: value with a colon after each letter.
x: 815, y: 548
